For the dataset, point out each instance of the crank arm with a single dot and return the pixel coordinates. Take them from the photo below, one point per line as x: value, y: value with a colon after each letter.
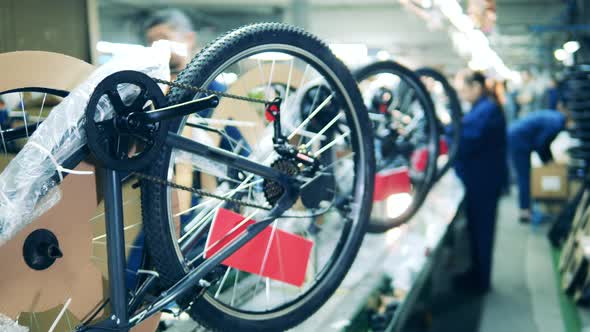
x: 173, y: 111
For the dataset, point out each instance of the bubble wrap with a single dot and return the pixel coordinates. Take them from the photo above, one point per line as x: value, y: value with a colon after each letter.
x: 26, y: 186
x: 8, y: 325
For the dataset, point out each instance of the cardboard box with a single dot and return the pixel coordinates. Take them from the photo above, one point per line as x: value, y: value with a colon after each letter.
x: 549, y: 182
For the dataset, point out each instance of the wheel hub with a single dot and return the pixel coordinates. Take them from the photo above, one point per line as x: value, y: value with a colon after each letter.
x: 120, y: 142
x: 41, y: 249
x: 274, y: 190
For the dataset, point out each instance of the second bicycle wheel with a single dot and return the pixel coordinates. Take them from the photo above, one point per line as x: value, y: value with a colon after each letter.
x: 448, y: 112
x: 323, y: 116
x: 406, y: 141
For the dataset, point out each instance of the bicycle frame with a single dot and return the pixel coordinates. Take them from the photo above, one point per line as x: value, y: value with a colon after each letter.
x: 121, y: 318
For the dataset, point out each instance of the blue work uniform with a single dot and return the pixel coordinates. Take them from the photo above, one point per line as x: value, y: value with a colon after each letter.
x: 534, y: 132
x: 482, y: 167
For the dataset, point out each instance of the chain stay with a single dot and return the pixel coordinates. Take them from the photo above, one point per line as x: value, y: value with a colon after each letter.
x: 198, y: 191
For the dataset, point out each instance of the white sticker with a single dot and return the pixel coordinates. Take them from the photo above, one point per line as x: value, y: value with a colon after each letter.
x: 551, y: 183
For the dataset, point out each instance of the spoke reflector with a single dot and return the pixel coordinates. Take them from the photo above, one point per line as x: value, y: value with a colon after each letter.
x: 390, y: 182
x: 287, y: 262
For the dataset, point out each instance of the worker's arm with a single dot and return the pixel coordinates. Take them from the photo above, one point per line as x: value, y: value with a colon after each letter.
x: 545, y: 153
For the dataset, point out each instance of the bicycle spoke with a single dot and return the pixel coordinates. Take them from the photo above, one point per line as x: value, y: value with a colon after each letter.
x: 125, y: 229
x: 222, y: 282
x: 229, y: 195
x: 323, y: 130
x: 272, y: 68
x: 289, y: 80
x: 59, y: 316
x: 130, y: 246
x: 199, y: 221
x: 230, y: 233
x: 301, y: 83
x: 338, y: 139
x: 233, y: 296
x: 311, y: 116
x: 3, y: 141
x: 22, y: 107
x: 233, y: 123
x: 41, y: 110
x: 266, y: 252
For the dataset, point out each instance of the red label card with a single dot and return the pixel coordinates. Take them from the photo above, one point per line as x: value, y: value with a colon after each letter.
x: 420, y: 159
x: 443, y: 147
x: 392, y: 181
x: 283, y: 257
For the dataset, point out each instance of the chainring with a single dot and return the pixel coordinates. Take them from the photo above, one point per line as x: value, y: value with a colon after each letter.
x: 114, y: 143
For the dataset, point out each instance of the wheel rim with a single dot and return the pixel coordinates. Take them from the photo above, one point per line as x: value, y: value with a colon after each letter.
x: 448, y: 113
x: 264, y: 311
x: 409, y: 110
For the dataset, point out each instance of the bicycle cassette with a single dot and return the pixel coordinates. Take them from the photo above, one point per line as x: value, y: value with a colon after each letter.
x: 115, y: 140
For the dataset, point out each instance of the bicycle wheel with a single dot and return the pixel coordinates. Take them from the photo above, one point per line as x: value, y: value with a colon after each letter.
x: 62, y: 286
x: 406, y: 137
x: 265, y: 60
x: 448, y: 112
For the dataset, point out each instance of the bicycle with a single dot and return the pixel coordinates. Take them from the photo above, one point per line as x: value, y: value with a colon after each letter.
x: 448, y: 112
x: 406, y: 138
x: 272, y: 182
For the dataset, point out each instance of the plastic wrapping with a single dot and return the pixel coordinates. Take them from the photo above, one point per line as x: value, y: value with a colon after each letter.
x: 8, y: 325
x: 27, y: 187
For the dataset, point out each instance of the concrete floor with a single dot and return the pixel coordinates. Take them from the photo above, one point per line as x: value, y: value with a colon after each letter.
x: 523, y: 296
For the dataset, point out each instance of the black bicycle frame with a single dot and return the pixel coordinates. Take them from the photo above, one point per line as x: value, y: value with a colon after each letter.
x: 121, y: 319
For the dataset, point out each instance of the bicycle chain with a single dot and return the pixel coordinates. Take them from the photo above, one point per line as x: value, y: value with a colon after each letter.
x: 197, y: 191
x: 213, y: 92
x: 194, y: 190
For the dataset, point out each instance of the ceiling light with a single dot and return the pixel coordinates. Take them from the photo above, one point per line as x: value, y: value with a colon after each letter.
x: 560, y: 54
x: 571, y: 46
x: 472, y: 41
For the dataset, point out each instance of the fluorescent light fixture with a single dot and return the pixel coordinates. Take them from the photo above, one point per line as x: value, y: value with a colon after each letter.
x: 560, y: 54
x: 469, y: 40
x: 350, y: 53
x: 270, y: 56
x: 571, y: 46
